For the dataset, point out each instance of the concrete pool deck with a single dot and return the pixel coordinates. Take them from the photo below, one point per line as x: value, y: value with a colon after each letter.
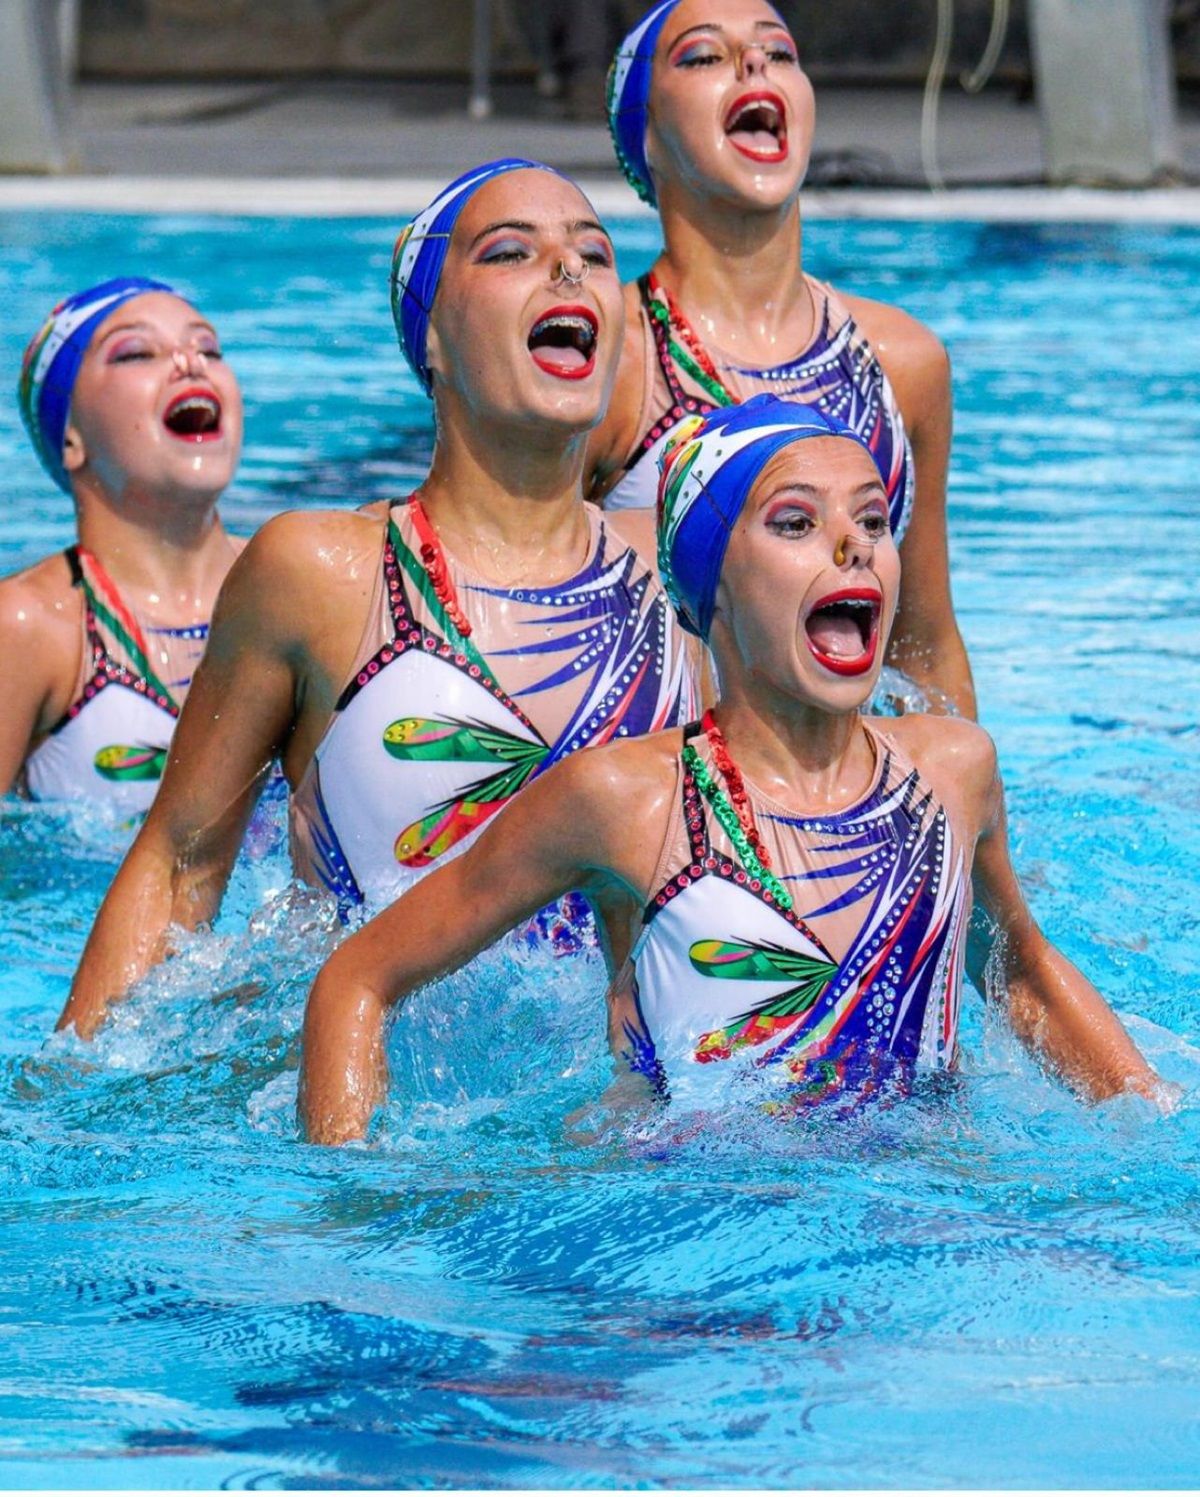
x: 382, y: 149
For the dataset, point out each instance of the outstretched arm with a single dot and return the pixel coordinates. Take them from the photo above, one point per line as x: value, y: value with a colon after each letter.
x: 237, y: 713
x: 1054, y: 1009
x: 550, y: 839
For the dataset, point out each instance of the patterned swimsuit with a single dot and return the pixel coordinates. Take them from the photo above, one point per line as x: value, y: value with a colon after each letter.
x: 440, y: 724
x: 111, y: 743
x: 860, y: 980
x: 838, y: 373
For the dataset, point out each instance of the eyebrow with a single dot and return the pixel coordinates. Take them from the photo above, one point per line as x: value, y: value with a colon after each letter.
x: 124, y: 327
x: 872, y: 488
x: 580, y: 225
x: 134, y: 327
x: 716, y: 26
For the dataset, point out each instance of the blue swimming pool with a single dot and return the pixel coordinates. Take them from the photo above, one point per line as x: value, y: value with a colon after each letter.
x: 987, y: 1285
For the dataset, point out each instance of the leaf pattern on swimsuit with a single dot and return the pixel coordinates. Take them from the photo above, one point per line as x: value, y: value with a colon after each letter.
x: 450, y: 740
x: 810, y: 976
x: 126, y: 762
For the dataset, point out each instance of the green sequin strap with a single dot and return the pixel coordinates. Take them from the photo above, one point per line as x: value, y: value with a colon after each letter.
x: 723, y: 810
x: 119, y: 623
x: 420, y: 578
x: 713, y: 388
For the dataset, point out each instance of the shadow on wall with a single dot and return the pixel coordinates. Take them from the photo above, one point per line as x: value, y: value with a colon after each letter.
x: 887, y: 40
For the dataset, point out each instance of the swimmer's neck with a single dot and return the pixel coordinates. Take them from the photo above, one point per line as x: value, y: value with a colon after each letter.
x: 521, y: 490
x: 734, y: 272
x: 170, y: 550
x: 799, y: 754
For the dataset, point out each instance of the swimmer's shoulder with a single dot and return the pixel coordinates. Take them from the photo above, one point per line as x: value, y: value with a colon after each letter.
x: 911, y: 353
x: 615, y: 798
x: 38, y: 601
x: 956, y: 758
x: 312, y: 543
x: 301, y: 566
x: 41, y: 619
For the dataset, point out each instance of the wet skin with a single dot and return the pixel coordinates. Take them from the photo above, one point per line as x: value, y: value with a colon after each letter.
x: 153, y: 439
x: 504, y: 494
x: 814, y: 526
x: 732, y: 261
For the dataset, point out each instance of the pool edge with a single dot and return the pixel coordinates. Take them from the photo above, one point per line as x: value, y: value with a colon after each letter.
x: 398, y: 197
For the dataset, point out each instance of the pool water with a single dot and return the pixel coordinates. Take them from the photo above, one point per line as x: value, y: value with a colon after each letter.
x: 520, y: 1282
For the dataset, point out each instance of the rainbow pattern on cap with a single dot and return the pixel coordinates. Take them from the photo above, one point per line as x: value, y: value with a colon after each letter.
x: 629, y: 98
x: 706, y: 476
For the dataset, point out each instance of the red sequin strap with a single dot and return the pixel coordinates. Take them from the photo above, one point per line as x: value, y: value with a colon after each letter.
x: 702, y: 368
x: 433, y: 558
x: 735, y: 786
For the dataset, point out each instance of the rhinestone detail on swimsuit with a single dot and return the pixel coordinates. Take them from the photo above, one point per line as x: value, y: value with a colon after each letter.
x: 734, y: 811
x: 693, y: 358
x: 433, y: 559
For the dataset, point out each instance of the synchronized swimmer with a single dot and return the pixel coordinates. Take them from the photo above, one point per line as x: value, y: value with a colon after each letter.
x: 712, y: 120
x: 796, y: 876
x: 134, y: 414
x: 413, y: 667
x: 781, y: 883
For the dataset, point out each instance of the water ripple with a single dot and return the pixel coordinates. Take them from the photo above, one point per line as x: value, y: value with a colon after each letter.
x: 523, y: 1280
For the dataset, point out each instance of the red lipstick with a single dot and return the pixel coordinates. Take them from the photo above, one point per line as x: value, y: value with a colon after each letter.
x: 842, y: 630
x: 194, y: 415
x: 562, y: 342
x: 761, y: 118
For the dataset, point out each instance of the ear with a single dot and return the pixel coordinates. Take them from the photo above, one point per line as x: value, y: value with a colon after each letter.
x: 74, y: 454
x: 433, y: 352
x: 652, y: 146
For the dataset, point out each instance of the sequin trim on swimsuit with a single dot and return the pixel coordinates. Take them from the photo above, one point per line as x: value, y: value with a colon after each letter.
x: 839, y: 374
x: 104, y: 739
x: 571, y: 664
x: 868, y: 977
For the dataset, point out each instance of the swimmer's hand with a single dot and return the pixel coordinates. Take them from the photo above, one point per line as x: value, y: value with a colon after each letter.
x: 1166, y: 1096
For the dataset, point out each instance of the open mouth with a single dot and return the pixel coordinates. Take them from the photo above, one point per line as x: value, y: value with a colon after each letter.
x: 563, y: 342
x: 194, y: 416
x: 843, y: 631
x: 757, y: 125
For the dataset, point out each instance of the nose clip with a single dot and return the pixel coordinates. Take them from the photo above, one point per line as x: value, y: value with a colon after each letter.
x: 751, y: 58
x: 847, y: 543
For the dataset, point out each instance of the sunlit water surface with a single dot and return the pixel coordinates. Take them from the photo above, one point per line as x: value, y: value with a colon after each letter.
x: 984, y: 1285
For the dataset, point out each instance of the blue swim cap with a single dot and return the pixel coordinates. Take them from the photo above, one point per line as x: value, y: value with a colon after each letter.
x: 51, y: 364
x: 629, y: 80
x: 707, y: 474
x: 629, y: 98
x: 420, y: 255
